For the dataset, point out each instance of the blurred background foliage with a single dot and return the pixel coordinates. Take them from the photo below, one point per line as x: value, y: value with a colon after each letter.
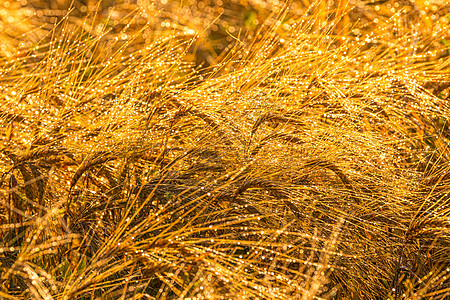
x: 218, y: 25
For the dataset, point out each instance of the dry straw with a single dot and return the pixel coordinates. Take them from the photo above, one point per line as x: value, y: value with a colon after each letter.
x: 224, y: 150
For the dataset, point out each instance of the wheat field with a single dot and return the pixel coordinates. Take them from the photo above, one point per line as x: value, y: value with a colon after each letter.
x: 244, y: 149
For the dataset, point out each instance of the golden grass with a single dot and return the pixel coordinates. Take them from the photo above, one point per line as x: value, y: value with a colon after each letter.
x: 225, y: 150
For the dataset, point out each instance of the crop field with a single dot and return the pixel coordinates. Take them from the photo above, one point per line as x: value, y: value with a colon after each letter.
x: 224, y: 149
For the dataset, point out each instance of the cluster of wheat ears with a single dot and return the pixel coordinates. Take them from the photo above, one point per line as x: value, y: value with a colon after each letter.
x: 224, y: 149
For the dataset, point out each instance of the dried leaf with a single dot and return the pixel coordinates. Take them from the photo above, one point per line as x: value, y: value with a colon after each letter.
x: 9, y: 131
